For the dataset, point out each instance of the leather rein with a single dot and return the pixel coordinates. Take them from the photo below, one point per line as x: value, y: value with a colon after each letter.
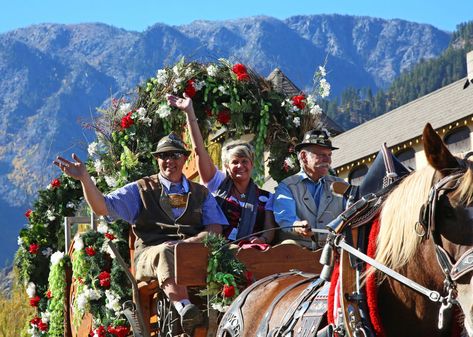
x: 451, y: 270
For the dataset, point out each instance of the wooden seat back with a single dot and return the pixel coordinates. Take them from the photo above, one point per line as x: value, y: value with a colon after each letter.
x: 190, y: 261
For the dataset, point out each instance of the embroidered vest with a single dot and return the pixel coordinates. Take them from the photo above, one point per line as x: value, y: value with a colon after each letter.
x: 157, y: 209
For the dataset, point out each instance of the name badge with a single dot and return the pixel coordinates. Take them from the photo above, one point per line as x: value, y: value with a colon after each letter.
x: 233, y: 234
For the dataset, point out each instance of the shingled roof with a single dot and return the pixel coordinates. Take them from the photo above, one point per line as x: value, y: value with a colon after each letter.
x: 282, y: 84
x: 442, y: 107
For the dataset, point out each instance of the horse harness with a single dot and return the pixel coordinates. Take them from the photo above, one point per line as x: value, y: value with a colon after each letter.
x: 308, y: 308
x: 452, y: 271
x: 342, y: 230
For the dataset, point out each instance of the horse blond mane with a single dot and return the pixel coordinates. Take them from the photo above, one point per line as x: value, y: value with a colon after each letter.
x: 397, y: 240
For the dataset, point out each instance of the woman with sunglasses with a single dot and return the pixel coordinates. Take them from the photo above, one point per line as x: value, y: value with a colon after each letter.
x: 247, y: 207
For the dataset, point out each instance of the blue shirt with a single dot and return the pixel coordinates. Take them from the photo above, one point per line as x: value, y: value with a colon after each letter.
x: 284, y: 207
x: 125, y: 203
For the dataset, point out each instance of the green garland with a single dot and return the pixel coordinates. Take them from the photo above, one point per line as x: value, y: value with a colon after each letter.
x: 56, y: 304
x: 225, y: 274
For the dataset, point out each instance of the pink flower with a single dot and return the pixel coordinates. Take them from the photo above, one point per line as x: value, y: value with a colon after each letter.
x: 34, y: 247
x: 104, y: 278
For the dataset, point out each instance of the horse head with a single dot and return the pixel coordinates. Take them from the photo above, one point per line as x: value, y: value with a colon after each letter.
x: 426, y: 233
x: 453, y: 221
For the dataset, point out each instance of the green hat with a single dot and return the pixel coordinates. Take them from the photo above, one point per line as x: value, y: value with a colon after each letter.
x: 316, y: 137
x: 171, y: 143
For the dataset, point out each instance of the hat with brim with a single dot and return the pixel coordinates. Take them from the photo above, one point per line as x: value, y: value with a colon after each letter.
x: 171, y: 143
x: 316, y: 137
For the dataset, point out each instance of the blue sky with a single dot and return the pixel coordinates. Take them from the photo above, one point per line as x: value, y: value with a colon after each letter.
x: 137, y: 15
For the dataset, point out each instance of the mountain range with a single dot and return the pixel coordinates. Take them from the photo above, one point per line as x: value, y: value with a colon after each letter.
x: 54, y: 76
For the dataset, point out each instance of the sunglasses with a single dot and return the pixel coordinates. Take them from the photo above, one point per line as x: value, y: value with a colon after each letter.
x: 170, y: 155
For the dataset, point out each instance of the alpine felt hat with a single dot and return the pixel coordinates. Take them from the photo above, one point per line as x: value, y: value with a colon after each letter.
x: 319, y: 137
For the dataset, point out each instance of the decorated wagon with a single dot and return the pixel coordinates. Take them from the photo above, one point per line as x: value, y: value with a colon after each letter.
x: 79, y: 286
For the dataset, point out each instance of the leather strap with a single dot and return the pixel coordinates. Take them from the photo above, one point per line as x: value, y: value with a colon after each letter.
x: 264, y: 324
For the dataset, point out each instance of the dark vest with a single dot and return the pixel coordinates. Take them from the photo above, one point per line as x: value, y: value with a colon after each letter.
x: 157, y: 209
x: 232, y: 211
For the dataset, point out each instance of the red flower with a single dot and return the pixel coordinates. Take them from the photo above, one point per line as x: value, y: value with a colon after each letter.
x: 298, y: 101
x: 190, y: 88
x: 35, y: 320
x: 34, y: 301
x: 127, y: 121
x: 49, y: 294
x: 241, y: 72
x: 100, y: 331
x: 224, y: 117
x: 104, y: 278
x: 110, y: 236
x: 228, y: 291
x: 55, y: 183
x: 119, y: 331
x: 34, y: 247
x: 28, y: 213
x: 208, y: 111
x: 42, y: 326
x: 90, y: 251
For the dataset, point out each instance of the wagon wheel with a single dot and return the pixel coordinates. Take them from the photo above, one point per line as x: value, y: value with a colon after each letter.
x: 169, y: 324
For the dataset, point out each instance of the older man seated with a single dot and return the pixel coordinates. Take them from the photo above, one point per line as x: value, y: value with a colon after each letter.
x: 164, y: 209
x: 305, y: 200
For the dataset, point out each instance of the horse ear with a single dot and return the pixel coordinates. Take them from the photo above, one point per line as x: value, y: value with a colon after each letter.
x: 438, y: 155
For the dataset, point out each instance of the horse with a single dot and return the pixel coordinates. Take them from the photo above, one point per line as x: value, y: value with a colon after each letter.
x: 424, y: 234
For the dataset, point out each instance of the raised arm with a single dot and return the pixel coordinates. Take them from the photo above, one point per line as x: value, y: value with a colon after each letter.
x: 204, y: 163
x: 78, y: 171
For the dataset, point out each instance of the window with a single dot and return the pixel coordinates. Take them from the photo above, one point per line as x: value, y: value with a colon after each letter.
x: 458, y: 140
x: 356, y: 176
x: 407, y: 157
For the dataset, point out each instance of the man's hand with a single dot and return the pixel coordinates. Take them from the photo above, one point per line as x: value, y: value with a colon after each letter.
x: 184, y: 103
x: 304, y: 230
x: 76, y: 169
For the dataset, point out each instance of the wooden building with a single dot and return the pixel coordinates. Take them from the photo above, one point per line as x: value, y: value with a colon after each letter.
x: 449, y: 110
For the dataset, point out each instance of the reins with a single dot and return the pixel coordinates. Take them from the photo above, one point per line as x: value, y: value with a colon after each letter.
x: 336, y: 239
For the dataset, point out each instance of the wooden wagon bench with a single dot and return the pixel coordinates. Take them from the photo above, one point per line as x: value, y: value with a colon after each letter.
x: 191, y: 270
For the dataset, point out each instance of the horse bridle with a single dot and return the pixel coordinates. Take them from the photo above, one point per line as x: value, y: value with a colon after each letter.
x: 464, y: 264
x: 452, y: 271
